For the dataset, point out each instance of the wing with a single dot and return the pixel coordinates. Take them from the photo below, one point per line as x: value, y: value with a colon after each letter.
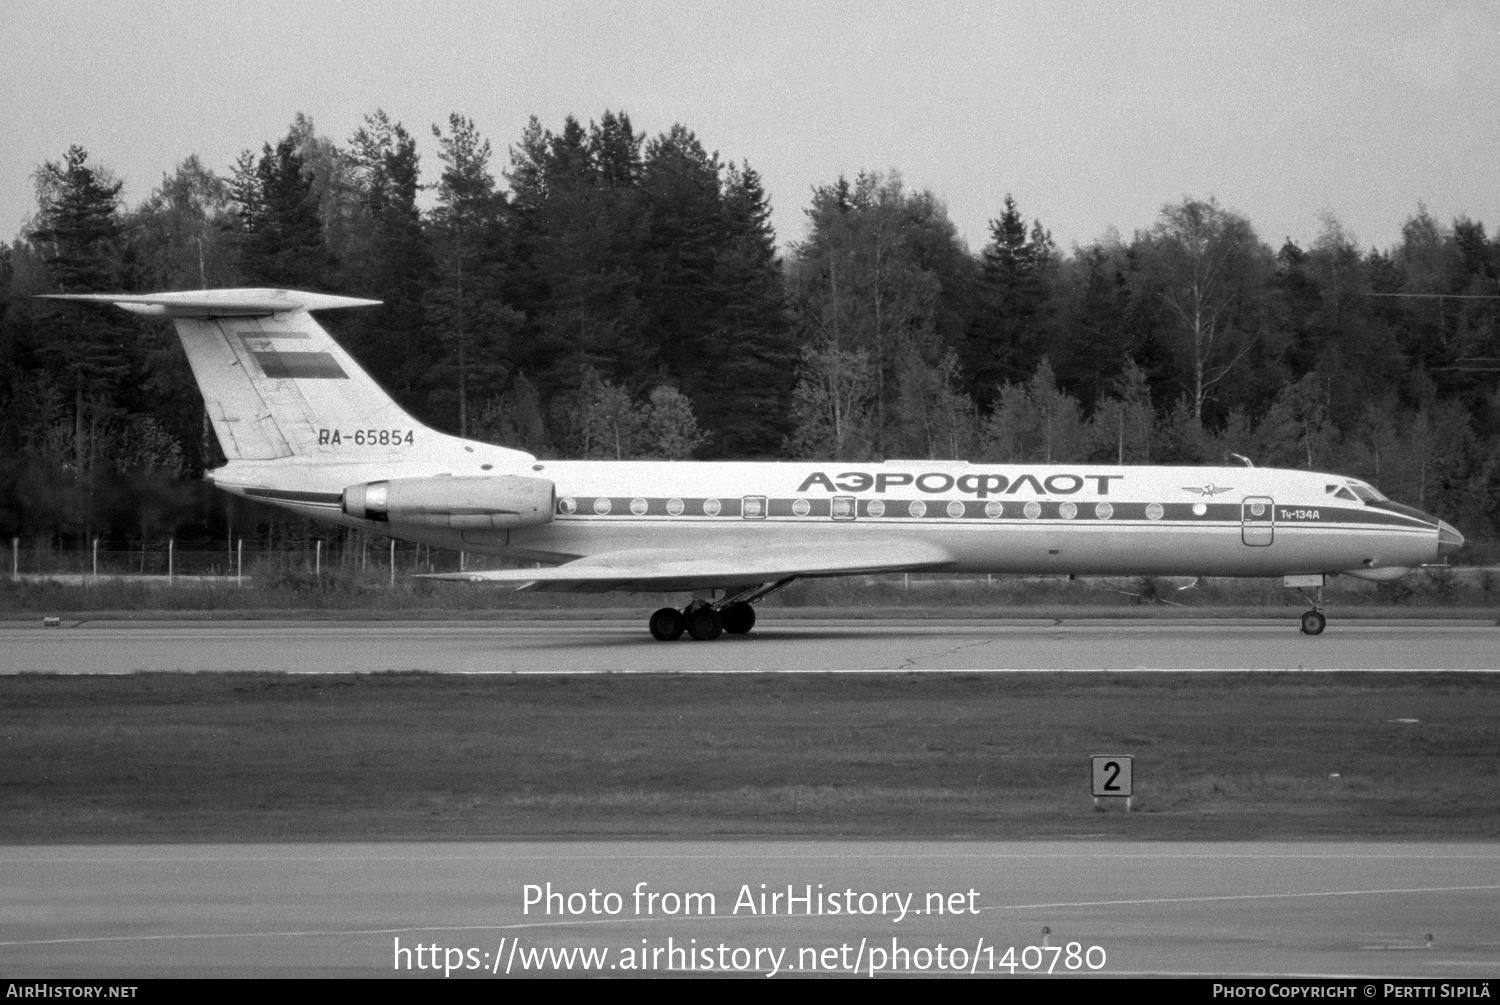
x: 650, y: 571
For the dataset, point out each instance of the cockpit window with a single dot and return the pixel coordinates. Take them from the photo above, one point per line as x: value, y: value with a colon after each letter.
x: 1366, y: 492
x: 1345, y: 493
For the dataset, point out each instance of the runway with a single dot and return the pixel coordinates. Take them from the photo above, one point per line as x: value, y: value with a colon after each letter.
x: 590, y: 646
x: 1366, y: 910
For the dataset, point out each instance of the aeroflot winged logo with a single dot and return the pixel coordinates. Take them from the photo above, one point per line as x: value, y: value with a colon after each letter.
x: 978, y: 485
x: 1207, y: 490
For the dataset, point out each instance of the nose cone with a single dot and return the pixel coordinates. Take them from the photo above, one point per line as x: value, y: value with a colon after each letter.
x: 1449, y: 539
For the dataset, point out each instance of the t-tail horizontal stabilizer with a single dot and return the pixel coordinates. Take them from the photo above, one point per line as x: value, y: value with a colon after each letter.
x: 217, y: 303
x: 276, y: 385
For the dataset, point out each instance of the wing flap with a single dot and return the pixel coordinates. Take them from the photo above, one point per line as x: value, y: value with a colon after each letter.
x: 666, y: 571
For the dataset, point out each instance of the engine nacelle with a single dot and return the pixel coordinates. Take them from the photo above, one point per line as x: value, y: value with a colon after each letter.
x: 497, y: 502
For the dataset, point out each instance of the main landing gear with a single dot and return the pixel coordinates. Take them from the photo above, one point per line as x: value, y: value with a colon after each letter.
x: 702, y: 623
x: 707, y: 619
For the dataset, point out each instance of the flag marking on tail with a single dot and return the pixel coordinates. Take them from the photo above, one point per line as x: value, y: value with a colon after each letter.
x: 299, y: 365
x: 289, y: 364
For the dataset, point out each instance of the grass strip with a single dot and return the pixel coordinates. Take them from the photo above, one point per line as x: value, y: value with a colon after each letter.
x: 243, y: 757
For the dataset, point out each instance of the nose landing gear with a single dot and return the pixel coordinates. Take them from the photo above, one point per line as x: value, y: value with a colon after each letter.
x: 1313, y: 621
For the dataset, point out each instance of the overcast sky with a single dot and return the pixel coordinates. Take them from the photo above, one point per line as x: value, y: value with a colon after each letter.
x: 1093, y: 115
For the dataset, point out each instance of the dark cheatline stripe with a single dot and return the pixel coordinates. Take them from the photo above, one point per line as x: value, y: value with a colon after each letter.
x: 1013, y: 511
x: 287, y: 495
x: 1404, y: 510
x: 300, y: 365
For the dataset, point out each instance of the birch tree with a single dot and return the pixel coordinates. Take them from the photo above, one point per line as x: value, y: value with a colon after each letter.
x: 1211, y: 269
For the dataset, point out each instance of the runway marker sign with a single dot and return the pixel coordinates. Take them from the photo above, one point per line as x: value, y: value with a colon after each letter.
x: 1114, y: 777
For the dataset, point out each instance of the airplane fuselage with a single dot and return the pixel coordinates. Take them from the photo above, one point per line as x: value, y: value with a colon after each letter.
x: 1084, y: 519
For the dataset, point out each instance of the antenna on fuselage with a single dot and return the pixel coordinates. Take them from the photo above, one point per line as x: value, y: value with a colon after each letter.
x: 1247, y: 462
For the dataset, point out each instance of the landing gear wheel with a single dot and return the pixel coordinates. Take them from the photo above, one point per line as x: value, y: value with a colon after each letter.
x: 704, y: 624
x: 1313, y: 623
x: 667, y: 624
x: 738, y: 618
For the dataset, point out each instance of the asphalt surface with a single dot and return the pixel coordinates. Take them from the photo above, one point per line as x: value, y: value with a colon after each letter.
x: 1364, y: 910
x: 586, y: 646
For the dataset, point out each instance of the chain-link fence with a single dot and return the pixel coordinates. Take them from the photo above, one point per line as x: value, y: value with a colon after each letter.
x: 355, y: 569
x: 237, y: 561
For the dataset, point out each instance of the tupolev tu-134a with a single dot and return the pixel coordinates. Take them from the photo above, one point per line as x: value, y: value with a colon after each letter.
x: 304, y: 427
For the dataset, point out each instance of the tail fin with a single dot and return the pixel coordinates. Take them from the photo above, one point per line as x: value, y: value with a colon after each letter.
x: 274, y: 382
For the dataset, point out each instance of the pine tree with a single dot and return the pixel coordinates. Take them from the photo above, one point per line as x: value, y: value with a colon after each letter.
x: 466, y: 311
x: 1324, y: 304
x: 389, y: 258
x: 1100, y: 342
x: 93, y: 352
x: 747, y: 405
x: 651, y: 262
x: 1008, y: 331
x: 681, y: 298
x: 77, y: 229
x: 578, y: 235
x: 78, y: 236
x: 712, y: 296
x: 280, y: 231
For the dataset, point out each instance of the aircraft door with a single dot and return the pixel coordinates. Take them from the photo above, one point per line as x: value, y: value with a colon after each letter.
x: 1257, y: 520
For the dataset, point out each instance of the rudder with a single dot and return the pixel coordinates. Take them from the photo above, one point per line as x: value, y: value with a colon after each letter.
x: 280, y: 386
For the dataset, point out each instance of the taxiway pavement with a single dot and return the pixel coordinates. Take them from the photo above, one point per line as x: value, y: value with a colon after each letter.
x: 591, y: 646
x: 1362, y: 910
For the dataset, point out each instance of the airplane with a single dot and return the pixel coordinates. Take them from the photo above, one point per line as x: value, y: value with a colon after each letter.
x: 304, y: 427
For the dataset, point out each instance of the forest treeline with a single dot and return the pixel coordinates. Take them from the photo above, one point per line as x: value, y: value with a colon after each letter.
x: 599, y: 293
